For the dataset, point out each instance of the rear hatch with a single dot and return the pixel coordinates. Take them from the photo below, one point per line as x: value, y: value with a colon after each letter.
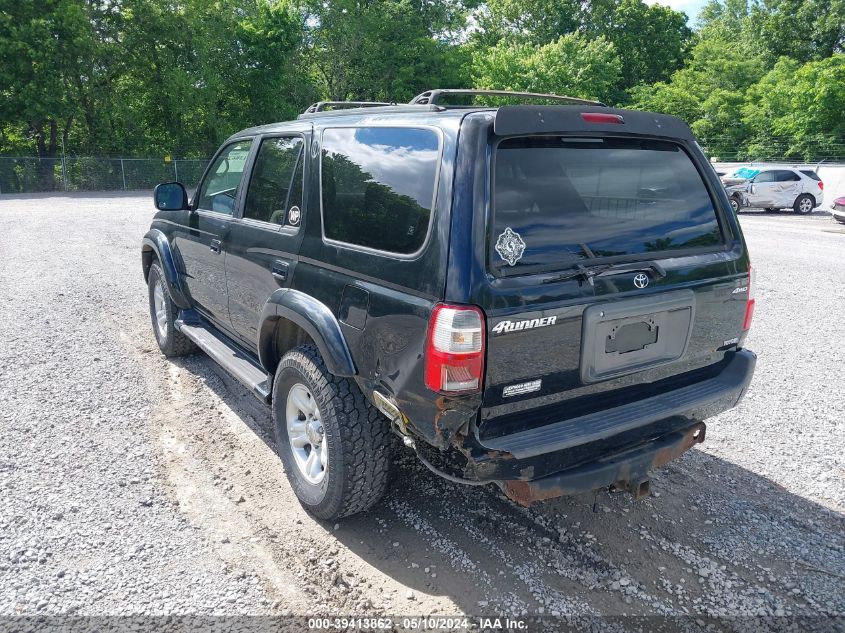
x: 612, y: 272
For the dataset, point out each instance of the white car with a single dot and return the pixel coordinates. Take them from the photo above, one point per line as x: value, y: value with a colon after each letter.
x: 774, y: 188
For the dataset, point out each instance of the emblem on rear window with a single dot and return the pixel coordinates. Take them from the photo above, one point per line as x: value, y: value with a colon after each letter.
x: 640, y: 280
x: 293, y: 216
x: 510, y: 246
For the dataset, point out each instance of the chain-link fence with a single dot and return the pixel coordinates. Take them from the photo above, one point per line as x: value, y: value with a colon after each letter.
x: 26, y: 174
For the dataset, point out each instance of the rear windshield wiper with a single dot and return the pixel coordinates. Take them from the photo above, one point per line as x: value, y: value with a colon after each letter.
x: 589, y: 273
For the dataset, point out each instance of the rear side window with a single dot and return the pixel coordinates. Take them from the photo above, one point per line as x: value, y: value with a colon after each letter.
x: 571, y: 199
x: 276, y: 183
x: 784, y: 175
x: 378, y: 186
x: 811, y: 174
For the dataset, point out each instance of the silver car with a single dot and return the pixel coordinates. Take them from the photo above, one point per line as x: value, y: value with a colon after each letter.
x: 774, y: 188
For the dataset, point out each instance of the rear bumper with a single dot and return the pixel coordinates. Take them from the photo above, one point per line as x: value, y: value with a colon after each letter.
x: 626, y: 470
x: 598, y: 449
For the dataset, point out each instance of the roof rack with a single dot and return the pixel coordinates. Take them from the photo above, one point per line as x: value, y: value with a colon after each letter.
x: 432, y: 97
x: 321, y: 106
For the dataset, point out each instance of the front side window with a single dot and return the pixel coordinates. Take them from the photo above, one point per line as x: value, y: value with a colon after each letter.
x: 765, y: 176
x: 571, y: 199
x: 220, y: 188
x: 275, y: 187
x: 378, y: 186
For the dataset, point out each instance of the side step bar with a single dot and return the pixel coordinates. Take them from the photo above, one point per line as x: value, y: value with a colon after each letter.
x: 226, y: 354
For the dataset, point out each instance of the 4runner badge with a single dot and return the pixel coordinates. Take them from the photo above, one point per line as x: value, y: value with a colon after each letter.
x: 510, y: 246
x: 503, y: 327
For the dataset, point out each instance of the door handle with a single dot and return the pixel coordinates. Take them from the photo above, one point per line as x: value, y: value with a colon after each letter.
x: 280, y: 270
x: 216, y: 246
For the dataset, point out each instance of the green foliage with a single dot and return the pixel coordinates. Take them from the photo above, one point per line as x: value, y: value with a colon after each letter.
x: 572, y: 65
x: 757, y: 78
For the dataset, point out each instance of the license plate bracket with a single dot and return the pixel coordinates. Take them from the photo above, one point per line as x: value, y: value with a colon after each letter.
x: 631, y: 335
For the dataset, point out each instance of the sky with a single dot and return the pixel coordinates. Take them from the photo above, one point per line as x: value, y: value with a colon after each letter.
x: 690, y: 7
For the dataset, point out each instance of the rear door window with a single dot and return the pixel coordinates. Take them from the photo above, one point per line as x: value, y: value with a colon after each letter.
x: 784, y: 175
x: 275, y: 188
x: 558, y: 201
x: 378, y: 185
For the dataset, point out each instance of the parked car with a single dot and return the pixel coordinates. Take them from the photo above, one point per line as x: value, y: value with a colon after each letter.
x: 548, y: 298
x: 775, y: 188
x: 837, y: 209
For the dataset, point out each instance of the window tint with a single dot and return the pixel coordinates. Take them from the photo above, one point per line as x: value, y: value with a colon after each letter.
x: 573, y: 199
x: 811, y: 174
x: 786, y: 176
x: 276, y: 183
x: 220, y: 188
x: 765, y: 176
x: 378, y: 186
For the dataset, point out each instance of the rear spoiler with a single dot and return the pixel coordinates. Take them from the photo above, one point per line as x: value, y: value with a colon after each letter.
x: 528, y: 119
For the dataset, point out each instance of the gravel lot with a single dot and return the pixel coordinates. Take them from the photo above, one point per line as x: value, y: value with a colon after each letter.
x: 134, y: 485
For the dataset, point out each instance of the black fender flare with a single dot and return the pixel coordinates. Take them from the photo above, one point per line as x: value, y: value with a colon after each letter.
x: 155, y: 241
x: 316, y: 319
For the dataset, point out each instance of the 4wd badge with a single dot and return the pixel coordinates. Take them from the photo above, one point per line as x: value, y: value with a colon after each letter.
x: 510, y: 246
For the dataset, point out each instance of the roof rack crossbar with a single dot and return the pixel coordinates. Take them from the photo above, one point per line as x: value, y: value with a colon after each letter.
x: 432, y: 97
x: 321, y: 106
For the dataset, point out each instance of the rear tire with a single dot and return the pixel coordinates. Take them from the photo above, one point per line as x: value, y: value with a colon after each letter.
x: 164, y: 313
x: 335, y: 447
x: 804, y: 204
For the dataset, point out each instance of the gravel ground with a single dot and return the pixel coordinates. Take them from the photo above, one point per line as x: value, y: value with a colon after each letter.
x: 134, y: 485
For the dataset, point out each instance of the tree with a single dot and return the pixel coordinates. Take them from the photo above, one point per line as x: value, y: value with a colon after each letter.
x: 45, y: 48
x: 381, y: 50
x: 574, y: 65
x: 651, y: 40
x: 800, y: 103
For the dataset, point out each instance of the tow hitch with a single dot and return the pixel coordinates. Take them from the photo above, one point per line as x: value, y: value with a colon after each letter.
x: 625, y: 471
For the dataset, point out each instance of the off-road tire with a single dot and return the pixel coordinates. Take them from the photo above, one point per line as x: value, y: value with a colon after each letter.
x: 798, y: 203
x: 358, y: 436
x: 172, y: 342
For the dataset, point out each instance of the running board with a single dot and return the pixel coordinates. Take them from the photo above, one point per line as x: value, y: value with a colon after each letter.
x: 229, y: 357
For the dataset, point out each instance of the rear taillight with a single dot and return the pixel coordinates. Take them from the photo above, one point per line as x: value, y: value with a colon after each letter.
x: 749, y: 304
x: 454, y: 349
x: 821, y: 185
x: 601, y: 117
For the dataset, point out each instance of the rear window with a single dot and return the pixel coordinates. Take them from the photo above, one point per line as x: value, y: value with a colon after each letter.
x: 558, y: 201
x: 378, y: 186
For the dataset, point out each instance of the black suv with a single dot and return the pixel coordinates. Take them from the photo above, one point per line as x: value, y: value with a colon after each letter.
x: 546, y: 297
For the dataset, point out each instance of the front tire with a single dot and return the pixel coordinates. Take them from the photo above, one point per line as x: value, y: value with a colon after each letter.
x: 735, y: 205
x: 164, y: 313
x: 804, y: 204
x: 335, y: 447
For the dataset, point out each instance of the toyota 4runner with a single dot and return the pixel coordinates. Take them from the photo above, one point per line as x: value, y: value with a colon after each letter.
x: 551, y: 298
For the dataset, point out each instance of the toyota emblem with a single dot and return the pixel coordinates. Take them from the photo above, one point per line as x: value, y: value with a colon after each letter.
x: 640, y: 280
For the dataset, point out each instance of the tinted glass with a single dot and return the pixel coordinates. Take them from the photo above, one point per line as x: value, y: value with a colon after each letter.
x: 220, y: 188
x: 378, y: 186
x: 276, y: 183
x: 811, y: 174
x: 786, y: 176
x: 574, y: 199
x: 765, y: 176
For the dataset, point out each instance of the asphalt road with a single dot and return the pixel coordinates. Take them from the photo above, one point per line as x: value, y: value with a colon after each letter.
x: 135, y: 485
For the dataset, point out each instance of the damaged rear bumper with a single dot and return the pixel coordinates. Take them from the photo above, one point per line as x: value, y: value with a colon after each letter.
x: 615, y: 446
x: 627, y: 470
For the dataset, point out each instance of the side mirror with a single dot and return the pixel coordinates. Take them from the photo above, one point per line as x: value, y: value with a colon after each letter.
x: 170, y: 196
